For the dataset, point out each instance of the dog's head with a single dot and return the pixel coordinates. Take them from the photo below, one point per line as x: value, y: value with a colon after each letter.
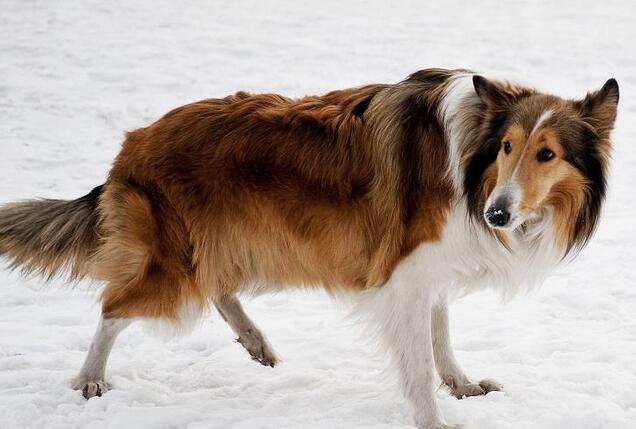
x: 549, y: 153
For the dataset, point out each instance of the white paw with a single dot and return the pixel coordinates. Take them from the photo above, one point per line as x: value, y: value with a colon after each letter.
x: 465, y: 390
x: 258, y: 348
x: 490, y: 385
x: 91, y: 388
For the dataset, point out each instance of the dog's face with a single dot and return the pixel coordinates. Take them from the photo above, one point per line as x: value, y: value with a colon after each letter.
x: 550, y: 152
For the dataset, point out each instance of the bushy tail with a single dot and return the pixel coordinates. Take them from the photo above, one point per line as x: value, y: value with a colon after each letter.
x: 50, y: 236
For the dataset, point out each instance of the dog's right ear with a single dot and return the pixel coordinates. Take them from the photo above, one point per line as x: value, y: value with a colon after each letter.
x: 598, y: 108
x: 490, y: 93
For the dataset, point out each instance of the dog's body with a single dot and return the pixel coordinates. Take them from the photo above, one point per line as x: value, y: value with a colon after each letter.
x: 394, y: 194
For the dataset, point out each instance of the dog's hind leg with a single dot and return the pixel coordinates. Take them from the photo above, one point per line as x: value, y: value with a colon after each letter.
x: 447, y: 367
x: 91, y: 377
x: 249, y: 336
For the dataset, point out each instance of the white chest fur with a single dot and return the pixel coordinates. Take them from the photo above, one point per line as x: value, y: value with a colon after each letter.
x: 469, y: 256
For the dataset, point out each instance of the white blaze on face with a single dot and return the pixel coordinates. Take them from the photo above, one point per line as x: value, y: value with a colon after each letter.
x: 542, y: 118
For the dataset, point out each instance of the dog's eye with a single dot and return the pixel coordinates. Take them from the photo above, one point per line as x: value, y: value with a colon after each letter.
x: 506, y: 147
x: 545, y: 155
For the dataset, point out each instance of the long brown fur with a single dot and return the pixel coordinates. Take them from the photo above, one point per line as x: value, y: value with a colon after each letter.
x: 261, y: 191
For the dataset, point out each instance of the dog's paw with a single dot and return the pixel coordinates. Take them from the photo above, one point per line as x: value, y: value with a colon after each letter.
x: 264, y: 356
x: 91, y: 388
x: 490, y: 385
x: 258, y: 348
x: 465, y: 390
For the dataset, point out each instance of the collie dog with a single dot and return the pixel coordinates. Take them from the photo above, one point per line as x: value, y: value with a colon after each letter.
x: 392, y: 195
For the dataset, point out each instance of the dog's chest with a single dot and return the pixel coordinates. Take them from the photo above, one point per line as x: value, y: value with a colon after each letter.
x: 468, y: 256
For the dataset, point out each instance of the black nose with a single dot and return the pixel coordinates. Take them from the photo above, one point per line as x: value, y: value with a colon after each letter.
x: 497, y: 215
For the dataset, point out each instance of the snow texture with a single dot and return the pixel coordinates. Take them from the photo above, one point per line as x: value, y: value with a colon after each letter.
x: 74, y: 75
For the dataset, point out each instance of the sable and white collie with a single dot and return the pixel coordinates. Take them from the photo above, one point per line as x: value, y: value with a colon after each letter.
x: 394, y: 195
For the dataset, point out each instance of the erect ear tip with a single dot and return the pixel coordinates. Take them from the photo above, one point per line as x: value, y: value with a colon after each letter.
x: 611, y: 83
x: 478, y: 80
x: 611, y: 88
x: 482, y: 86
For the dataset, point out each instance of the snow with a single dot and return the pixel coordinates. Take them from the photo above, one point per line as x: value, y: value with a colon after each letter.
x: 74, y: 75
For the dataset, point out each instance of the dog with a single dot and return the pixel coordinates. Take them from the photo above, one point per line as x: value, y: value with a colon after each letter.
x: 395, y: 195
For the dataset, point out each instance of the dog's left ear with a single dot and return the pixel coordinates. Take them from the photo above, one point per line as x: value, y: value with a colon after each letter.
x: 490, y: 93
x: 598, y: 108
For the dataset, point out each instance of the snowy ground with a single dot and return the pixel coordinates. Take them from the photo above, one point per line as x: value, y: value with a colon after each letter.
x: 75, y: 75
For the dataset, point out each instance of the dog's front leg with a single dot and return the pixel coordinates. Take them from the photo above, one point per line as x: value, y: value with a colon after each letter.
x: 402, y: 311
x: 449, y: 370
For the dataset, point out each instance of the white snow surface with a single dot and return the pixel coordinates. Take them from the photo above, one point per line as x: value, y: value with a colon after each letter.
x: 75, y: 75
